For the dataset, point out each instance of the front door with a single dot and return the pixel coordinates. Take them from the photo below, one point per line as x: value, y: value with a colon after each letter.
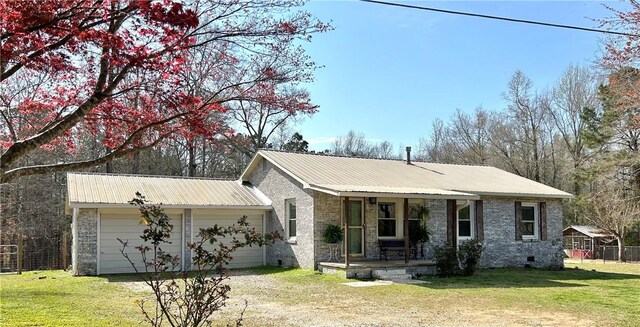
x: 356, y: 227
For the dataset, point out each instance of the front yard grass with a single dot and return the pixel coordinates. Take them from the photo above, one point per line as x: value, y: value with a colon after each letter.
x: 55, y: 298
x: 295, y: 297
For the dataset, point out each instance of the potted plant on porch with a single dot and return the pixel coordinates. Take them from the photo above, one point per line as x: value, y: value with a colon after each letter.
x: 420, y: 235
x: 333, y: 235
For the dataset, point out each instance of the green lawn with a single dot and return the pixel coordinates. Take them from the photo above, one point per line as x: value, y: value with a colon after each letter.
x: 281, y: 297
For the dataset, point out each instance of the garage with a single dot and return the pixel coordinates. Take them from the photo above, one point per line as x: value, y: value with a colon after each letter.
x: 244, y: 257
x: 101, y: 213
x: 126, y: 227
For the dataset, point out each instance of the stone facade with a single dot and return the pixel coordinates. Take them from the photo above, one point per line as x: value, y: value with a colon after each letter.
x: 186, y: 251
x: 501, y: 247
x: 371, y: 248
x: 326, y: 210
x: 85, y: 242
x: 437, y: 224
x: 278, y: 187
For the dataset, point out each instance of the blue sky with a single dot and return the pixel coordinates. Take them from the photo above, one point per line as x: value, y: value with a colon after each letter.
x: 389, y: 72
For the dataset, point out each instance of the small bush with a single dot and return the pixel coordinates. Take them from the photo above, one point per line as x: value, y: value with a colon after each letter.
x: 464, y: 261
x: 180, y: 298
x: 469, y: 254
x: 446, y: 260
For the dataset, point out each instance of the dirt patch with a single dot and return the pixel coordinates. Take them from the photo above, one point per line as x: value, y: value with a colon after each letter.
x: 270, y: 301
x: 332, y: 308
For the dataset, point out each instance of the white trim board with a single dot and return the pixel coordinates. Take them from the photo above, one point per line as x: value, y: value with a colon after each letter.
x: 90, y: 205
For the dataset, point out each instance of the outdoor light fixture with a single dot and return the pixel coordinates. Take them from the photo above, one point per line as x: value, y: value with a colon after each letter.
x: 373, y: 200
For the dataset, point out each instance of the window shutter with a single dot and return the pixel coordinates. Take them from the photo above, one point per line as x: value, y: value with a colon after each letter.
x: 479, y: 220
x: 543, y: 221
x: 451, y: 222
x: 518, y: 221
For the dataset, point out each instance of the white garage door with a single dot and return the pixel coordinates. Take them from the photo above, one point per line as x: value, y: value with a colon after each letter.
x: 243, y: 257
x: 127, y: 227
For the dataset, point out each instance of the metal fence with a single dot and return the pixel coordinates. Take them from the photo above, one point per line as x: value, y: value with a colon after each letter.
x: 632, y: 253
x: 36, y: 252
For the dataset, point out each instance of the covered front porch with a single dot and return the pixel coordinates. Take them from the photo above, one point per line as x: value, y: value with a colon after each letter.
x: 383, y: 229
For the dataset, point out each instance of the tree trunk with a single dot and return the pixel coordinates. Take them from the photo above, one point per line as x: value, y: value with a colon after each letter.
x: 192, y: 160
x: 621, y: 252
x: 135, y: 165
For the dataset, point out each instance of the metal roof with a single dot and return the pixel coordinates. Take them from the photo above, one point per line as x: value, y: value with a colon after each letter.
x: 347, y: 175
x: 90, y: 190
x: 591, y: 231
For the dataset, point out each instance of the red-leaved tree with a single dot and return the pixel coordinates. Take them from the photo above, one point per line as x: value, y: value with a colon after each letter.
x: 118, y: 71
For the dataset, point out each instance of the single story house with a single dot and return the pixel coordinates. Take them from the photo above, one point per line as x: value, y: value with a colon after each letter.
x: 583, y: 241
x: 299, y: 194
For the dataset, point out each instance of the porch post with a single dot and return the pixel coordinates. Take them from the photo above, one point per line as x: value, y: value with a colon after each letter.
x: 405, y: 226
x: 347, y: 212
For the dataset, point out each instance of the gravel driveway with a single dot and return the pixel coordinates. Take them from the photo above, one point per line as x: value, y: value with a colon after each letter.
x: 272, y: 301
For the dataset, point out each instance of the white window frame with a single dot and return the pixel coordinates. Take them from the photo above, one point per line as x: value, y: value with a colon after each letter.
x: 536, y: 220
x: 288, y: 219
x: 461, y: 204
x: 395, y: 219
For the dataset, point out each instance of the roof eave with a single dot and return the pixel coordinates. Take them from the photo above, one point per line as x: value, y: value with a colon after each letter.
x: 411, y: 195
x: 527, y: 195
x: 92, y: 205
x: 462, y: 196
x: 246, y: 174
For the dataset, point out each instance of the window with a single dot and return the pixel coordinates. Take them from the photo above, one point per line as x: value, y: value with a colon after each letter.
x: 465, y: 220
x: 529, y: 224
x: 290, y: 207
x: 386, y: 219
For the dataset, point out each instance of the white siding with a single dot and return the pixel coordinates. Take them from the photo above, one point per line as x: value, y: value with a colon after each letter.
x: 127, y: 227
x: 243, y: 257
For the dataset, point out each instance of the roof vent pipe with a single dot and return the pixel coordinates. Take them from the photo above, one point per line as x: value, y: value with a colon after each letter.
x: 408, y: 155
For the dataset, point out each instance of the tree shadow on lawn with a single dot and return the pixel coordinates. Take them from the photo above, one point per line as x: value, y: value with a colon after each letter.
x: 262, y: 270
x: 524, y: 278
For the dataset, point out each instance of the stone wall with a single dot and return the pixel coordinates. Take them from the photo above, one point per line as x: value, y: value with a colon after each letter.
x: 186, y: 251
x: 85, y: 242
x: 278, y: 187
x: 501, y: 247
x: 437, y: 224
x: 371, y: 248
x: 326, y: 210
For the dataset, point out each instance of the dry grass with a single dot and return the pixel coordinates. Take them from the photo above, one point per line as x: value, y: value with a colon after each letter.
x: 496, y: 297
